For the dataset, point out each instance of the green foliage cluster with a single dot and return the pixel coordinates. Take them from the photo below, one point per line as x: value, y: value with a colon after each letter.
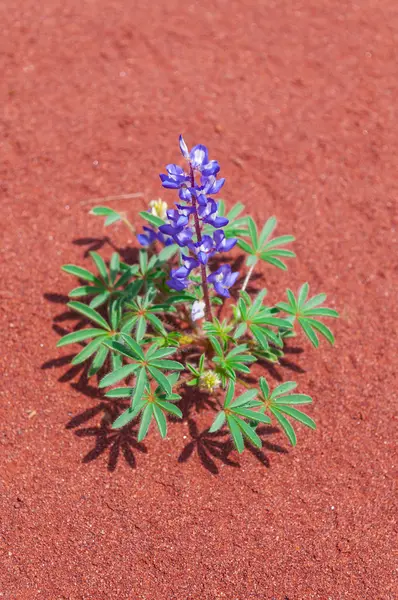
x: 140, y: 334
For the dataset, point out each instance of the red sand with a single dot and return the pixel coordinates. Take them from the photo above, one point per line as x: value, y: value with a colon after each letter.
x: 298, y: 100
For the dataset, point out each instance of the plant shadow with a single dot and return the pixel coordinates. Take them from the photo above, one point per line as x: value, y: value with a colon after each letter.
x: 211, y: 447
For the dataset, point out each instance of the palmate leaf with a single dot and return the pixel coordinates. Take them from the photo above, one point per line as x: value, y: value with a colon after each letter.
x: 263, y: 248
x: 235, y: 413
x: 281, y: 403
x: 305, y: 311
x: 111, y: 215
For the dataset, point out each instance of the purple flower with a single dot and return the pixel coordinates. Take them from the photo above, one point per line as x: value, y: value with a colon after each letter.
x: 176, y: 177
x: 208, y: 214
x: 203, y: 249
x: 222, y: 279
x: 222, y: 244
x: 199, y: 158
x: 148, y: 238
x: 178, y: 281
x: 178, y: 277
x: 177, y: 226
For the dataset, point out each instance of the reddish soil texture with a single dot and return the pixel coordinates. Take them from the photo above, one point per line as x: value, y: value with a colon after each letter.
x: 299, y: 102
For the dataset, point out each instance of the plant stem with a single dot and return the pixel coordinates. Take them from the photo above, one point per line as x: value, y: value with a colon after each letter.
x: 249, y: 274
x: 205, y: 287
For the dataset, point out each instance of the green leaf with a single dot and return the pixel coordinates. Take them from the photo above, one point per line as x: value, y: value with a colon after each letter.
x: 89, y: 313
x: 267, y: 230
x: 116, y: 360
x: 286, y: 426
x: 240, y: 330
x: 216, y: 345
x: 152, y: 219
x: 250, y: 434
x: 323, y: 330
x: 140, y: 385
x: 283, y: 388
x: 127, y: 416
x: 145, y: 421
x: 79, y: 336
x: 320, y: 312
x: 253, y: 232
x: 244, y: 398
x: 160, y: 378
x: 103, y: 211
x: 112, y: 219
x: 87, y: 351
x: 140, y: 329
x: 160, y: 420
x: 120, y: 392
x: 309, y: 332
x: 315, y: 301
x: 260, y: 336
x: 99, y: 300
x: 280, y: 241
x: 136, y: 348
x: 218, y: 422
x: 81, y: 273
x: 303, y: 295
x: 292, y: 300
x: 272, y: 260
x: 236, y: 433
x: 169, y: 407
x: 253, y: 415
x: 114, y: 266
x: 245, y: 247
x: 117, y: 375
x: 85, y: 290
x: 293, y: 399
x: 154, y: 353
x: 98, y: 360
x: 230, y: 394
x: 156, y: 323
x: 264, y: 387
x: 171, y: 365
x: 100, y: 264
x: 121, y: 348
x: 298, y: 415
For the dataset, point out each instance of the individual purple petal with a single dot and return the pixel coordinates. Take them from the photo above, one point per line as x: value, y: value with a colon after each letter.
x: 185, y: 194
x: 168, y: 182
x: 184, y: 148
x: 169, y: 229
x: 199, y: 156
x: 176, y: 170
x: 211, y: 168
x: 183, y: 237
x: 218, y: 221
x: 177, y: 284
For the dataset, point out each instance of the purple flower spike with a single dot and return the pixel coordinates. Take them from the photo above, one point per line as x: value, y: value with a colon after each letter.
x: 223, y: 244
x: 223, y: 279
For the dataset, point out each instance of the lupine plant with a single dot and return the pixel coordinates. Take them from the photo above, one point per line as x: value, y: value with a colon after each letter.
x: 160, y: 326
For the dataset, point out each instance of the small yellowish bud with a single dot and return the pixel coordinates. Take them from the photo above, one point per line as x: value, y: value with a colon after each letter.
x: 186, y: 340
x: 209, y: 381
x: 158, y: 208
